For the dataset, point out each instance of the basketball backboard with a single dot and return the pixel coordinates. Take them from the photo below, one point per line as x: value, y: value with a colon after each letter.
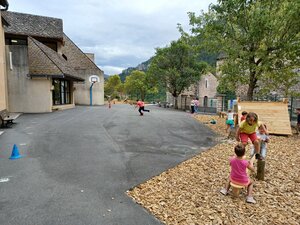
x: 94, y: 79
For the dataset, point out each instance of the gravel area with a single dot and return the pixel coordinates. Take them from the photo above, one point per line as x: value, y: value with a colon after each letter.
x: 189, y: 193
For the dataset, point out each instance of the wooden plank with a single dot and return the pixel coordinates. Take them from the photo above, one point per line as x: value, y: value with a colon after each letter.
x: 274, y: 114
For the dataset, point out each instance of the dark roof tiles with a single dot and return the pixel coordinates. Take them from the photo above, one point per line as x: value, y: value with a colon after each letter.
x: 33, y: 25
x: 45, y: 61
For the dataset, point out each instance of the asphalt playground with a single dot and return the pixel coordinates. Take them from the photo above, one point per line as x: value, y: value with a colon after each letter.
x: 77, y: 164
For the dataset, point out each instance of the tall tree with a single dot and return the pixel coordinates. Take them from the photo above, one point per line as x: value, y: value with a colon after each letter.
x: 176, y: 67
x: 260, y: 39
x: 135, y: 84
x: 113, y: 86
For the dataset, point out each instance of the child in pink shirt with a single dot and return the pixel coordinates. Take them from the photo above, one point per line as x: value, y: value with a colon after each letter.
x: 238, y: 174
x: 141, y: 106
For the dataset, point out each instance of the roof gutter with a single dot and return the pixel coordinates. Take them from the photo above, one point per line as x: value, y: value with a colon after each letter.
x: 60, y: 76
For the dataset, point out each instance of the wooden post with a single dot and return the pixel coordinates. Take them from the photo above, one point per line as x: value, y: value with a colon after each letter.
x: 260, y: 169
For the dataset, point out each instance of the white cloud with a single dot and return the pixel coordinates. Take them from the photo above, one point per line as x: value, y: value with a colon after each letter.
x: 109, y: 52
x: 111, y: 70
x: 120, y: 33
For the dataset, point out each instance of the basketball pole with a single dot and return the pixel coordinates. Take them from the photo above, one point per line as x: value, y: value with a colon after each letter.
x: 91, y: 94
x: 93, y: 79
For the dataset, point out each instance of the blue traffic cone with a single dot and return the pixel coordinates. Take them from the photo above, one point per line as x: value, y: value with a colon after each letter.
x: 15, y: 153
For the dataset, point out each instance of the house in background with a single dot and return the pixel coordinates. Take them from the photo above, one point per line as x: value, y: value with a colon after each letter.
x: 205, y: 89
x: 45, y: 69
x: 184, y: 99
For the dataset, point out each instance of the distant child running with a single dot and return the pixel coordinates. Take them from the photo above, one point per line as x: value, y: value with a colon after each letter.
x: 141, y: 106
x: 229, y: 120
x: 238, y: 173
x: 247, y: 129
x: 263, y: 138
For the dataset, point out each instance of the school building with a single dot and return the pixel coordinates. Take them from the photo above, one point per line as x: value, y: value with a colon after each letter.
x: 42, y: 69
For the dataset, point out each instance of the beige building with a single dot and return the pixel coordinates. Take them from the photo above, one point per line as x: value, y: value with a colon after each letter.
x: 205, y: 89
x: 45, y: 70
x: 3, y: 77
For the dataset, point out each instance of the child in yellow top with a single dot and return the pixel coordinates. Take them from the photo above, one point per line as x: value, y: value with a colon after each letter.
x: 247, y: 129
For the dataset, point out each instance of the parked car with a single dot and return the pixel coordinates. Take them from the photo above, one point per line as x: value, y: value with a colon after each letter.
x: 165, y: 104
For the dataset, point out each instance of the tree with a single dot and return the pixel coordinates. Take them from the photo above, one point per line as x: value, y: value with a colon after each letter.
x: 135, y: 84
x: 176, y: 67
x: 113, y: 86
x: 260, y: 39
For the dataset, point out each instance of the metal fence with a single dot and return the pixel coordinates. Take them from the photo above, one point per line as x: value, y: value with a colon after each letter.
x: 294, y: 104
x: 210, y: 105
x: 206, y: 105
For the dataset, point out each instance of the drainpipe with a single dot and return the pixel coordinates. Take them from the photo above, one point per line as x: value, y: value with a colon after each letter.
x: 91, y: 94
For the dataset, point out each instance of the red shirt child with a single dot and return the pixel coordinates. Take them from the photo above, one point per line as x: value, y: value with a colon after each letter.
x: 244, y: 115
x: 140, y: 104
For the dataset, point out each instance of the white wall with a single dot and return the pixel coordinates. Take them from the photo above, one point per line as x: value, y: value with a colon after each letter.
x: 25, y: 94
x: 82, y: 90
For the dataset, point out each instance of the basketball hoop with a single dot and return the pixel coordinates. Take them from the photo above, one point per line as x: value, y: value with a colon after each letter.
x: 94, y: 79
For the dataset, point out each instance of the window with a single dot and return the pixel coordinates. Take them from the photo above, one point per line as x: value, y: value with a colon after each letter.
x: 206, y: 83
x: 15, y: 41
x: 61, y: 93
x: 52, y: 45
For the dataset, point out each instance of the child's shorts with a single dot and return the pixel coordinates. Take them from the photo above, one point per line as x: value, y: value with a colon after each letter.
x: 239, y: 183
x: 244, y: 137
x: 229, y: 122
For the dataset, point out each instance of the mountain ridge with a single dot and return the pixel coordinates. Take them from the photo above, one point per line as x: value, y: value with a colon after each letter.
x: 142, y: 67
x: 204, y: 56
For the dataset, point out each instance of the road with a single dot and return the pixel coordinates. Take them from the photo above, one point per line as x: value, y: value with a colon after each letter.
x: 78, y: 164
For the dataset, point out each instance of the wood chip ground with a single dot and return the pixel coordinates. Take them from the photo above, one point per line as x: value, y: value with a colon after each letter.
x: 189, y: 193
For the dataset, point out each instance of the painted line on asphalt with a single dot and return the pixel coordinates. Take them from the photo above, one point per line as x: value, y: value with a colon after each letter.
x: 3, y: 180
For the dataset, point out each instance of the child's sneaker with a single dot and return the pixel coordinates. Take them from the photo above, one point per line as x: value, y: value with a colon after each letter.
x: 223, y: 191
x: 250, y: 199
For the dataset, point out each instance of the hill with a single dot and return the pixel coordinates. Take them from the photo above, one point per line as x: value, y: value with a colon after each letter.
x: 142, y: 67
x: 206, y: 57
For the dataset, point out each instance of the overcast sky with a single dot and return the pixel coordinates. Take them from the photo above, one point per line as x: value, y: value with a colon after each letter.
x: 121, y: 33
